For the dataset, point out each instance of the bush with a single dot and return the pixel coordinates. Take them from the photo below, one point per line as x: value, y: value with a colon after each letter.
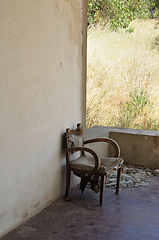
x: 96, y: 9
x: 119, y: 13
x: 134, y: 111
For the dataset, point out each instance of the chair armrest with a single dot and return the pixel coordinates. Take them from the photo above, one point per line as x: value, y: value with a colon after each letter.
x: 89, y: 150
x: 107, y: 140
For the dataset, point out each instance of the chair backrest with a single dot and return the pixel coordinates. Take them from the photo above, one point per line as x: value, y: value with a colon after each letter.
x: 74, y: 138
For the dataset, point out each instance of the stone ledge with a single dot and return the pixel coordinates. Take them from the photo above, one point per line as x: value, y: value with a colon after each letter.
x: 100, y: 131
x: 138, y: 147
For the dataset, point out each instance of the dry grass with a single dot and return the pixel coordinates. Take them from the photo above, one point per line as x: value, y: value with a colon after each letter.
x: 118, y: 64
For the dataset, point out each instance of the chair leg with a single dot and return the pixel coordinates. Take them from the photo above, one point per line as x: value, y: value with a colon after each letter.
x: 83, y: 184
x: 102, y: 186
x: 95, y: 183
x: 118, y: 180
x: 68, y: 177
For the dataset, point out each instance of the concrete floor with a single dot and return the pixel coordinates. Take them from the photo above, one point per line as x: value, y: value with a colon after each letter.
x: 133, y: 214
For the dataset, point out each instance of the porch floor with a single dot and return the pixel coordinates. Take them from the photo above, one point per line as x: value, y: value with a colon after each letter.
x: 133, y: 214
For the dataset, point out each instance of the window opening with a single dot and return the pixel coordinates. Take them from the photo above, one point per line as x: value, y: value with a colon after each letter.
x: 123, y: 64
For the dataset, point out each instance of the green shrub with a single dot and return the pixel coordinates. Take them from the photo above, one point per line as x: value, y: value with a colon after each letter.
x: 135, y: 109
x: 130, y: 30
x: 119, y: 13
x: 96, y: 10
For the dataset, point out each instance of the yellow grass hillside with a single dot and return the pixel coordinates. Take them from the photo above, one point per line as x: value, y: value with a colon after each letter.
x: 123, y: 76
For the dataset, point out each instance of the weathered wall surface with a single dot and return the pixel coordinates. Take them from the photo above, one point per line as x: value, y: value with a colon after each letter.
x: 41, y: 89
x: 139, y: 148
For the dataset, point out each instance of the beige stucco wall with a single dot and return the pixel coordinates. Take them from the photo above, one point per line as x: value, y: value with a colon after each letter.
x: 42, y: 84
x: 138, y: 147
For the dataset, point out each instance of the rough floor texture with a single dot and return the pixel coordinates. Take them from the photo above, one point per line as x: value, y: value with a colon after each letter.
x: 133, y: 214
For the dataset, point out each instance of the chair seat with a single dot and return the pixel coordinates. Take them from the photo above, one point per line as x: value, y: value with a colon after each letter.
x: 109, y: 164
x: 83, y: 163
x: 87, y: 163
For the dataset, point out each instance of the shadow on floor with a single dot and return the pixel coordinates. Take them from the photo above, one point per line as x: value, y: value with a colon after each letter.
x: 133, y: 214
